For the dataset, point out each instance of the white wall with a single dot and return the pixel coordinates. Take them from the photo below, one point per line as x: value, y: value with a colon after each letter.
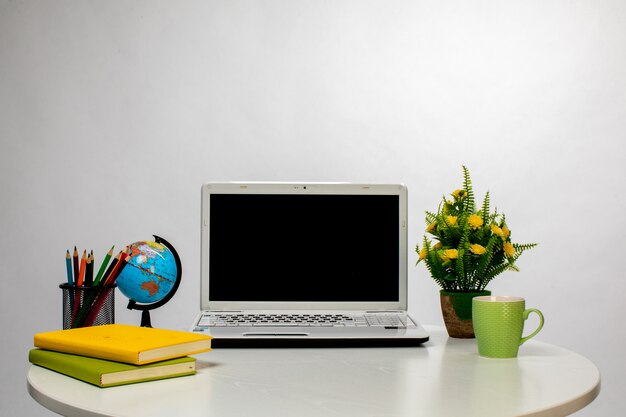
x: 113, y: 113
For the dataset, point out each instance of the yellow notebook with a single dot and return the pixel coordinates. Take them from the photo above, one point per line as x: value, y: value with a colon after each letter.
x: 124, y: 343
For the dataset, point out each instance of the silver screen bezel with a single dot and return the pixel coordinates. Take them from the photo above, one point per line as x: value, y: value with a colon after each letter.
x: 301, y: 188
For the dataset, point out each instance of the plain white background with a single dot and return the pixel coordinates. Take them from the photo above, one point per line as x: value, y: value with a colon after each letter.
x: 112, y: 114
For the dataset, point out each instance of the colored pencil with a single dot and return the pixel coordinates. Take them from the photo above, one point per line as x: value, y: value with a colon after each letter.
x: 107, y: 257
x: 70, y: 280
x: 89, y: 271
x: 79, y: 283
x: 81, y: 272
x: 75, y: 262
x: 93, y: 264
x: 68, y: 265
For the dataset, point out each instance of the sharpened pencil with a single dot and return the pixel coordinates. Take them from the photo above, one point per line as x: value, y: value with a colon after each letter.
x: 79, y: 283
x: 107, y: 257
x: 68, y: 265
x: 75, y: 263
x: 89, y: 271
x: 81, y: 272
x: 70, y: 279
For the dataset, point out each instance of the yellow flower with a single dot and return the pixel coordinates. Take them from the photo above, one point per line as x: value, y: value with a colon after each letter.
x: 475, y: 221
x: 477, y: 249
x: 423, y: 253
x: 506, y: 232
x: 437, y: 246
x: 509, y: 249
x: 451, y: 220
x: 431, y: 227
x: 496, y: 230
x: 451, y: 253
x: 459, y: 194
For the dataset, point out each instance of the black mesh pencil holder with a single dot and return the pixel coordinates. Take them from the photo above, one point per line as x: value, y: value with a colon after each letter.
x: 88, y: 306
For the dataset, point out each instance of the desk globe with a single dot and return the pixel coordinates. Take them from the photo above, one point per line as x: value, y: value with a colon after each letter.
x: 151, y: 276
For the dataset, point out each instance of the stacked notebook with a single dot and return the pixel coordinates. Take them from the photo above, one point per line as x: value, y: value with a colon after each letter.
x: 118, y: 354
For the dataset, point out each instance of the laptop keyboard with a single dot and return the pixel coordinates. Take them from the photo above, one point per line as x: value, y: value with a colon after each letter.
x: 303, y: 320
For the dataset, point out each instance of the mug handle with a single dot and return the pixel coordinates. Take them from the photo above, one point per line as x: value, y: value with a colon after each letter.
x: 525, y: 315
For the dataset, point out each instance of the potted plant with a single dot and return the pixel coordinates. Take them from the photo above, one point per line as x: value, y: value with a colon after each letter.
x: 467, y: 248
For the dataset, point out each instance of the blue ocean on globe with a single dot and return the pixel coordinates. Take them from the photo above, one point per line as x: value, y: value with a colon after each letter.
x: 150, y: 273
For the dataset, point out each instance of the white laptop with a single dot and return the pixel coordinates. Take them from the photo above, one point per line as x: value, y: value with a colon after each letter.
x: 307, y: 264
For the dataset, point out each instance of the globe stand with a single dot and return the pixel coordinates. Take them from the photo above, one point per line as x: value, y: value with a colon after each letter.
x: 145, y: 318
x: 145, y: 308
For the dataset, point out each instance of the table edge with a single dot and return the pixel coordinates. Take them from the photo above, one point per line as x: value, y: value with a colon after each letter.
x: 55, y: 405
x: 570, y: 407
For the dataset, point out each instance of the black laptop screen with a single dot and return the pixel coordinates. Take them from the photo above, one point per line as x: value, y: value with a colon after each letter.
x: 304, y: 248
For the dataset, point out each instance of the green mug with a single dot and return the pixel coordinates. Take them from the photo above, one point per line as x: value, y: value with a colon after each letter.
x: 499, y: 323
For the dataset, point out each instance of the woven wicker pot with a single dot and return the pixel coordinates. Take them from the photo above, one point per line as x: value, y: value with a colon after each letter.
x: 456, y: 308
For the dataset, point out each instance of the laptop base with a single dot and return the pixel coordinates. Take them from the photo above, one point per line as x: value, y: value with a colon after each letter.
x: 289, y: 336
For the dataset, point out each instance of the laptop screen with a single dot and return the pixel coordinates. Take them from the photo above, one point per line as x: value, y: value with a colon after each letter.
x: 319, y: 246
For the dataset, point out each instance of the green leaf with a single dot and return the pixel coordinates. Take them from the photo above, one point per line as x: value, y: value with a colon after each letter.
x: 430, y: 218
x: 467, y: 185
x: 521, y: 247
x: 485, y: 209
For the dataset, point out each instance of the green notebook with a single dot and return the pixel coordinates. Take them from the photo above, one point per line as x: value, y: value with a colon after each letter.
x: 105, y: 373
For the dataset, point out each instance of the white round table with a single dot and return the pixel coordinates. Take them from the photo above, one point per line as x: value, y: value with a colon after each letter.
x: 444, y: 377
